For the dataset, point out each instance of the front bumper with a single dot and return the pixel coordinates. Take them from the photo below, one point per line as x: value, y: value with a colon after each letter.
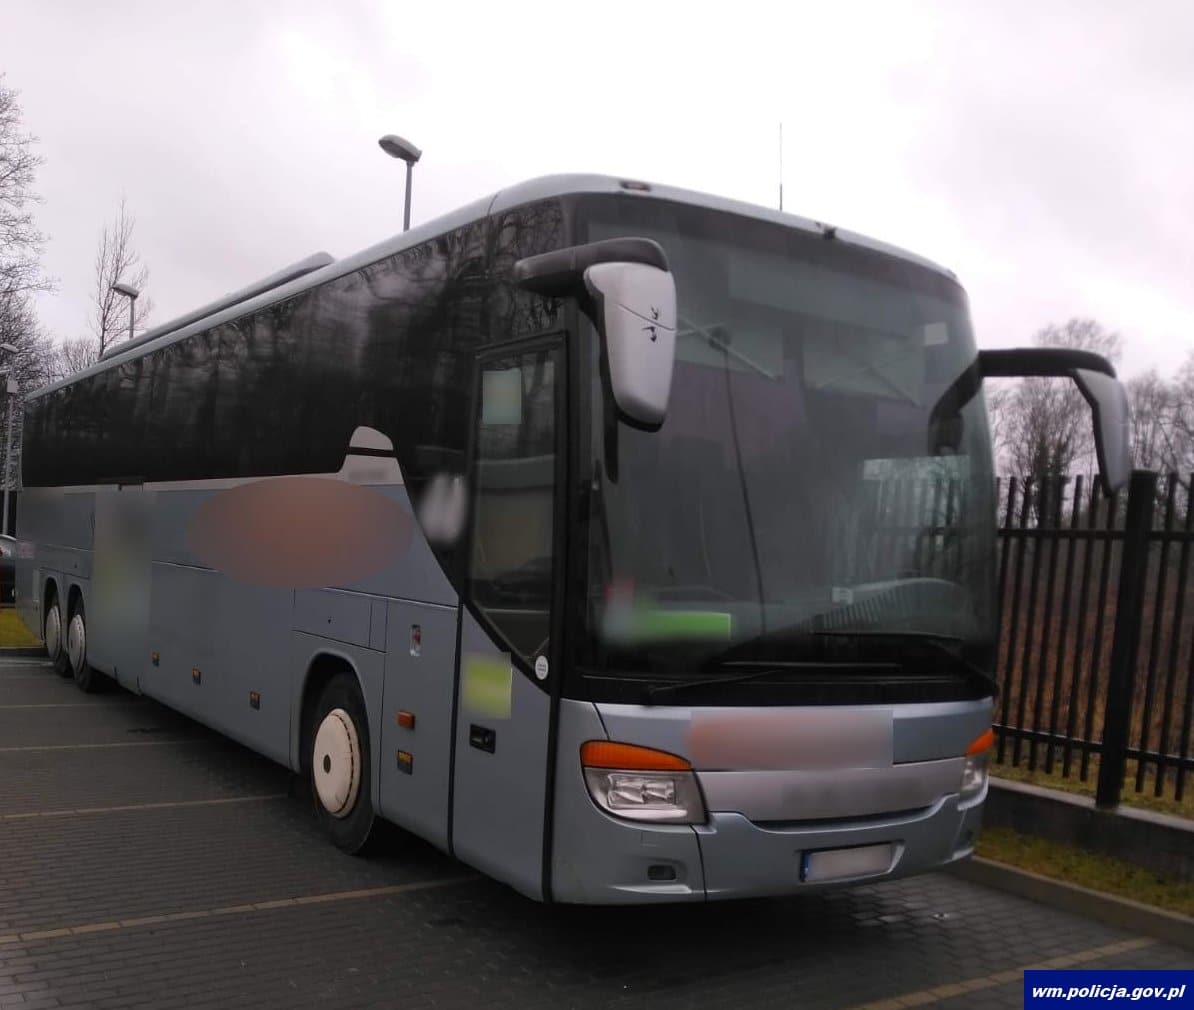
x: 742, y: 859
x: 745, y: 848
x: 601, y: 860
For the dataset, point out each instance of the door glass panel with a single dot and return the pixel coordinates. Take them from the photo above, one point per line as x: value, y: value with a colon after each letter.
x: 514, y: 477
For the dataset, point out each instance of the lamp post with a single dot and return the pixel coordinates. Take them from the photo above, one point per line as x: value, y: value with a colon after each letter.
x: 10, y: 389
x: 403, y: 150
x: 130, y: 293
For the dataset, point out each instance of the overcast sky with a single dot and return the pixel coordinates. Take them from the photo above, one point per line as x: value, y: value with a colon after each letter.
x: 1043, y: 151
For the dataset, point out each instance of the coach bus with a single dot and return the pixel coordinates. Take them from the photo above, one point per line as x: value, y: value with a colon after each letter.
x: 627, y: 544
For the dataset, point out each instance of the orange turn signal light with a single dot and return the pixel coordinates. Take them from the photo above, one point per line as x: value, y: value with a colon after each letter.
x: 630, y: 757
x: 981, y: 743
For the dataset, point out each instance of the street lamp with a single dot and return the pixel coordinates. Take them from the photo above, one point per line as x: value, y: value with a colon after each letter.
x: 130, y: 293
x: 403, y: 150
x: 10, y: 390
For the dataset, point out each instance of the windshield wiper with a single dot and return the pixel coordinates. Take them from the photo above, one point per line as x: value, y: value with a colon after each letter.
x: 932, y: 640
x: 719, y: 342
x: 766, y: 670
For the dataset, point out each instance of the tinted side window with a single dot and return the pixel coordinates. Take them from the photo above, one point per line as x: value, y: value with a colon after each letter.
x: 513, y: 234
x: 391, y: 346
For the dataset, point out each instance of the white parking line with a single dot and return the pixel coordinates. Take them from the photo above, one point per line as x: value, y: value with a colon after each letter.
x: 247, y: 909
x: 103, y: 746
x: 71, y: 704
x: 126, y: 808
x: 114, y: 703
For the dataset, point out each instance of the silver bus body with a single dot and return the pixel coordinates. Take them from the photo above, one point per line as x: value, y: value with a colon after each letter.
x: 471, y: 745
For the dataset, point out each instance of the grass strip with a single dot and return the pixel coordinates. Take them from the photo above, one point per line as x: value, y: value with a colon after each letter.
x: 1087, y: 869
x: 13, y: 633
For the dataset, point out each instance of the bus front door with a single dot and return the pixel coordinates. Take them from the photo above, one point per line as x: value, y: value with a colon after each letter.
x: 507, y: 637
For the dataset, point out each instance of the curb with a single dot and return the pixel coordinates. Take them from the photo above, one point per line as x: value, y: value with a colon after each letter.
x: 1159, y: 842
x: 1171, y: 927
x: 23, y: 650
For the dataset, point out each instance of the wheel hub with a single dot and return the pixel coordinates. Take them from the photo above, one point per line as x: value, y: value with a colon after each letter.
x: 76, y: 642
x: 336, y: 763
x: 53, y: 632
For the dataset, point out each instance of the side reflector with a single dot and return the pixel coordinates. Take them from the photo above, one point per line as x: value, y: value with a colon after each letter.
x: 981, y: 743
x: 406, y: 720
x: 630, y: 757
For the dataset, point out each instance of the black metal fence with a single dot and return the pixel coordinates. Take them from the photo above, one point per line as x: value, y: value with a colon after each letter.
x: 1096, y: 660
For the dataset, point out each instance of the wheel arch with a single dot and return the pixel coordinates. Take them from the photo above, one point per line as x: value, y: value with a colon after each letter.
x: 49, y: 590
x: 74, y: 597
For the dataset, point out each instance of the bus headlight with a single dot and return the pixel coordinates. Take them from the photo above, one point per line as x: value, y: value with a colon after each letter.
x: 974, y: 776
x: 642, y: 784
x: 974, y: 769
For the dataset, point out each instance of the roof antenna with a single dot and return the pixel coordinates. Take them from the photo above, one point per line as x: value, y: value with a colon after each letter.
x: 781, y: 164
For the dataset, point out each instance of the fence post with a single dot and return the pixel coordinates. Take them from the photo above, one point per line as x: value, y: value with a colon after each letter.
x: 1125, y: 646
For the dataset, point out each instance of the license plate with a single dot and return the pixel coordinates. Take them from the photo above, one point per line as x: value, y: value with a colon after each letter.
x: 840, y: 864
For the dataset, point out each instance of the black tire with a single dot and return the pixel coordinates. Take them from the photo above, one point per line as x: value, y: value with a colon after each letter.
x: 86, y: 678
x: 53, y: 634
x: 351, y: 826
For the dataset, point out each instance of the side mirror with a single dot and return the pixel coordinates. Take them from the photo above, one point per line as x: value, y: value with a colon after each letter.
x: 1091, y: 372
x: 625, y: 287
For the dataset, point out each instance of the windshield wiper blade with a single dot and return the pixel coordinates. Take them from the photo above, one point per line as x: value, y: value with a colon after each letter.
x: 766, y: 670
x: 934, y: 641
x: 931, y: 639
x: 718, y: 342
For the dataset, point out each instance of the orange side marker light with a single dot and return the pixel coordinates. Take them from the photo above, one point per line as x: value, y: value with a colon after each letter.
x: 630, y: 757
x: 981, y: 743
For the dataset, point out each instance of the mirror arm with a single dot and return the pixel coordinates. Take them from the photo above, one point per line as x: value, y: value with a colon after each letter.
x: 1110, y: 409
x: 1056, y: 362
x: 1015, y: 362
x: 560, y: 273
x: 949, y: 407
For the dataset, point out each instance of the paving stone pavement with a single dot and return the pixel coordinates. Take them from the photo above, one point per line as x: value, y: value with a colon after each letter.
x: 184, y: 871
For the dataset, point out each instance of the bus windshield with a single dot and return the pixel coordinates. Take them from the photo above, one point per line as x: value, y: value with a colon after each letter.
x: 791, y: 500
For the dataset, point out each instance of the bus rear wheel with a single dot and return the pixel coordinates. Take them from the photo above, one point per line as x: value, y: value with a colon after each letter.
x: 338, y: 761
x: 52, y: 636
x: 76, y: 651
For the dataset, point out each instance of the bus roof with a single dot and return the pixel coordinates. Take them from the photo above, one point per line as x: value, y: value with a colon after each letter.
x: 267, y: 292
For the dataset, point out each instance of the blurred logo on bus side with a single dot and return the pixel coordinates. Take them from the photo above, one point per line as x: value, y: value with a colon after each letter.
x: 300, y: 532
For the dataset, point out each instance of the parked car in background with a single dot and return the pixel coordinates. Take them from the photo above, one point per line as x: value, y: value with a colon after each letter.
x: 8, y: 576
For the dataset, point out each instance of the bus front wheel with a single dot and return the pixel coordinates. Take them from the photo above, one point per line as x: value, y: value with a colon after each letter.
x: 52, y: 636
x: 338, y: 756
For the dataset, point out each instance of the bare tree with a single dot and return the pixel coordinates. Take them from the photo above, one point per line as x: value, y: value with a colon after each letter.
x: 116, y: 259
x: 32, y: 367
x: 34, y: 363
x: 998, y: 394
x: 21, y: 274
x: 75, y: 355
x: 1182, y: 419
x: 1153, y: 403
x: 20, y: 240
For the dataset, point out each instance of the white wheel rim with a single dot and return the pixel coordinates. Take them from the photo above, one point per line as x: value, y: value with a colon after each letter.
x: 53, y: 631
x: 336, y: 763
x: 76, y: 642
